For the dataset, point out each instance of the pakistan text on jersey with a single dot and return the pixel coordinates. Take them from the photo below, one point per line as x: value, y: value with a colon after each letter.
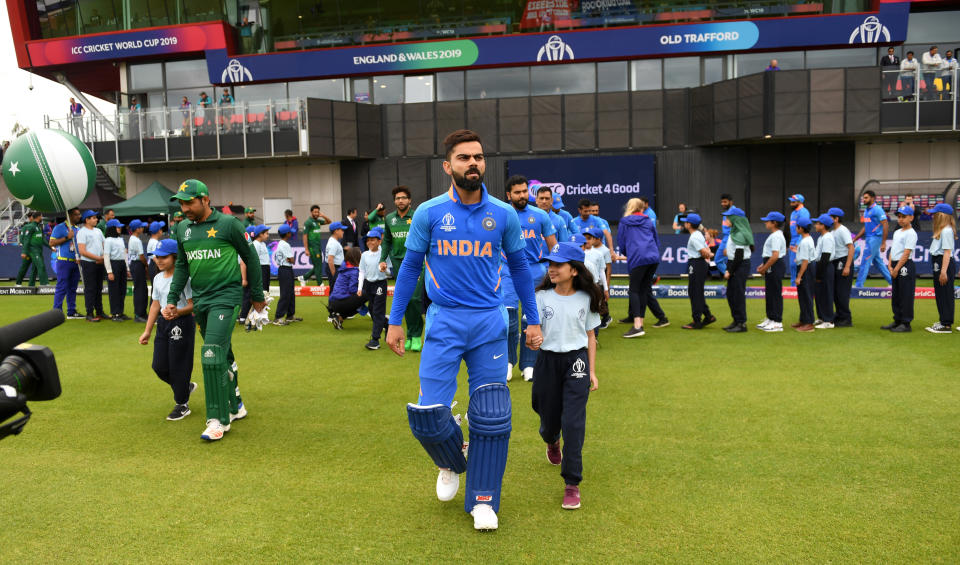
x: 200, y: 254
x: 464, y: 248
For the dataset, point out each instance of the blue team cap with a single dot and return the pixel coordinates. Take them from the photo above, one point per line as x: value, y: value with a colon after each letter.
x: 593, y: 231
x: 114, y: 223
x: 88, y: 214
x: 905, y: 211
x: 260, y: 228
x: 336, y: 226
x: 374, y: 233
x: 284, y: 229
x: 564, y: 252
x: 578, y: 239
x: 943, y: 209
x: 693, y: 218
x: 135, y: 224
x: 155, y: 227
x: 250, y: 229
x: 824, y: 219
x: 773, y: 217
x: 734, y: 211
x: 557, y: 201
x: 804, y: 223
x: 166, y: 247
x: 796, y: 198
x: 835, y: 212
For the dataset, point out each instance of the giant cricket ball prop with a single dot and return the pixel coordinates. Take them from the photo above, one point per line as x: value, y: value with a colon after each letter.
x: 49, y: 170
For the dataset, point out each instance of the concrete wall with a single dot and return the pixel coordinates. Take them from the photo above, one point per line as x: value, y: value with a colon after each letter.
x: 247, y: 184
x: 907, y: 161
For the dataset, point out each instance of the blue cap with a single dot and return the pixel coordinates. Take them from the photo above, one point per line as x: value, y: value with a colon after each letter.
x: 578, y: 239
x: 835, y: 212
x: 564, y: 252
x: 166, y: 247
x: 804, y: 223
x: 824, y: 219
x: 284, y: 229
x: 734, y: 211
x: 693, y: 218
x: 593, y: 231
x: 773, y: 216
x: 114, y: 223
x: 796, y: 198
x: 88, y: 214
x: 337, y: 226
x: 943, y: 209
x: 135, y: 224
x: 905, y: 211
x: 155, y: 227
x: 259, y: 229
x: 557, y: 201
x: 250, y: 229
x: 374, y: 233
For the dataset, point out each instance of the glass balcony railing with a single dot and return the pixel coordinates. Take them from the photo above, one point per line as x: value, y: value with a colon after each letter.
x: 917, y: 99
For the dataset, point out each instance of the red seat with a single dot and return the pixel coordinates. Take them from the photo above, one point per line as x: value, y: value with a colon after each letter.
x: 284, y: 116
x: 198, y: 122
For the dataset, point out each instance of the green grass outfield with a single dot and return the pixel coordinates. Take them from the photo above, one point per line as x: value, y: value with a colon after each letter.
x: 836, y: 446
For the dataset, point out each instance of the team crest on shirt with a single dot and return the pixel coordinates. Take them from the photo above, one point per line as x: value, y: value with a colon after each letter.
x: 531, y: 219
x: 186, y: 235
x: 447, y: 222
x: 488, y: 223
x: 581, y: 313
x: 176, y: 334
x: 548, y: 313
x: 393, y: 222
x: 578, y: 369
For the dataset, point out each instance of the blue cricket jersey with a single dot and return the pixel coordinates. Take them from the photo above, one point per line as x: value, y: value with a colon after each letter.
x: 64, y: 250
x: 535, y: 224
x: 462, y: 246
x: 566, y: 218
x: 794, y: 216
x: 563, y: 231
x: 578, y: 223
x: 875, y: 216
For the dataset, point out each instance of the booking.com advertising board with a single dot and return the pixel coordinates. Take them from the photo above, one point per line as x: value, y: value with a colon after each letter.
x: 609, y: 181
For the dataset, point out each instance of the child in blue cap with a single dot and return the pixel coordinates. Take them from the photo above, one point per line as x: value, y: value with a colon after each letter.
x: 944, y: 268
x: 373, y: 286
x: 806, y: 273
x: 155, y: 229
x: 283, y: 255
x: 115, y: 263
x: 568, y: 301
x: 137, y: 268
x: 903, y: 272
x: 843, y: 255
x: 773, y: 268
x: 823, y: 291
x: 173, y: 346
x: 698, y: 267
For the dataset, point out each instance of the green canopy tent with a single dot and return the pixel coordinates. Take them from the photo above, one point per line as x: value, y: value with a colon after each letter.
x: 152, y: 201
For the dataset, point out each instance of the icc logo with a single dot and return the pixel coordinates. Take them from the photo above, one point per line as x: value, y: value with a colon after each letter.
x: 447, y: 222
x: 186, y: 234
x: 578, y: 369
x: 548, y: 313
x: 235, y: 72
x: 555, y: 50
x: 176, y: 334
x: 870, y: 31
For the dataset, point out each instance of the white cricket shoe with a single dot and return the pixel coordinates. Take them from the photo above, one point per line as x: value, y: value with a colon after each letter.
x: 824, y: 326
x: 527, y: 374
x: 241, y: 413
x: 509, y: 372
x: 764, y: 323
x: 448, y: 483
x: 773, y: 327
x: 215, y: 430
x: 484, y: 518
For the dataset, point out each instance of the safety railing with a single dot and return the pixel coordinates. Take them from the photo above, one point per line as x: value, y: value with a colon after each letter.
x: 917, y: 99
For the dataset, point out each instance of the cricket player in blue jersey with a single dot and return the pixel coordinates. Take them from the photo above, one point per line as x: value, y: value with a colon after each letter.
x: 544, y: 201
x: 875, y: 229
x: 459, y: 237
x: 539, y: 236
x: 726, y: 201
x: 558, y: 208
x: 799, y: 211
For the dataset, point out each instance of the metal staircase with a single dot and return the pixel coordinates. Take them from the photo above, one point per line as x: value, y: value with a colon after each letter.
x: 13, y: 214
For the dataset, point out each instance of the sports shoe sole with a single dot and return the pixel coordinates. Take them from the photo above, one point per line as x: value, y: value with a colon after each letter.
x: 182, y: 416
x: 933, y: 331
x: 570, y: 506
x: 225, y: 430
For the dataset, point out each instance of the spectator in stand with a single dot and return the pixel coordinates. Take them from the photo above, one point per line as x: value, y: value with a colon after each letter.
x: 226, y: 106
x: 947, y: 71
x: 185, y: 112
x: 773, y: 66
x: 931, y: 68
x: 202, y: 104
x: 890, y: 64
x: 291, y: 221
x: 681, y: 212
x: 76, y: 118
x: 908, y: 200
x: 908, y: 76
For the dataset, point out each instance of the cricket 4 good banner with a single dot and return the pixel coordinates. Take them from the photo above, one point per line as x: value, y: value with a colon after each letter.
x: 789, y: 292
x: 610, y: 181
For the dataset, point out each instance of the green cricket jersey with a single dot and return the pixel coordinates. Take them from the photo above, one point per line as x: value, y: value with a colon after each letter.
x: 102, y: 226
x: 396, y: 228
x: 207, y: 253
x: 31, y: 237
x: 247, y: 222
x: 314, y: 234
x: 374, y: 221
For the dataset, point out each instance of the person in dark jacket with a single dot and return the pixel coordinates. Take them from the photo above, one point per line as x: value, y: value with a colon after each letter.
x: 344, y: 301
x: 738, y: 251
x: 638, y: 240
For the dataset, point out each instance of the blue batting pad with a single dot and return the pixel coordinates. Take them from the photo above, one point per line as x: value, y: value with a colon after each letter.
x: 439, y: 434
x: 489, y: 418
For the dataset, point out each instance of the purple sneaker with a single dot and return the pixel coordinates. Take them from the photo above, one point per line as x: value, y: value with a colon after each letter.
x: 554, y: 456
x: 571, y: 497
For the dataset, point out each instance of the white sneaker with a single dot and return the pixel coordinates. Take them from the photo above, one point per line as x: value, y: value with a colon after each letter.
x: 448, y: 483
x: 484, y: 518
x: 764, y: 323
x: 938, y: 328
x: 215, y: 430
x: 773, y: 327
x: 241, y: 413
x: 527, y: 374
x: 302, y: 282
x: 824, y: 326
x: 509, y: 372
x: 817, y: 322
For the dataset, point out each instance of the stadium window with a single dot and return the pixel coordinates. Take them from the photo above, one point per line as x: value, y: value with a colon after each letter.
x: 184, y: 74
x: 388, y: 89
x: 612, y: 77
x: 361, y: 90
x: 712, y: 70
x: 508, y: 82
x: 836, y: 58
x: 646, y: 75
x: 752, y: 63
x: 329, y: 89
x: 418, y: 89
x: 146, y: 77
x: 152, y: 13
x: 450, y: 86
x: 563, y: 79
x: 681, y: 72
x: 257, y: 92
x: 101, y: 15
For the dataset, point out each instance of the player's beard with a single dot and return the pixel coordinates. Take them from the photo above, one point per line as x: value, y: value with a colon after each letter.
x: 466, y: 184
